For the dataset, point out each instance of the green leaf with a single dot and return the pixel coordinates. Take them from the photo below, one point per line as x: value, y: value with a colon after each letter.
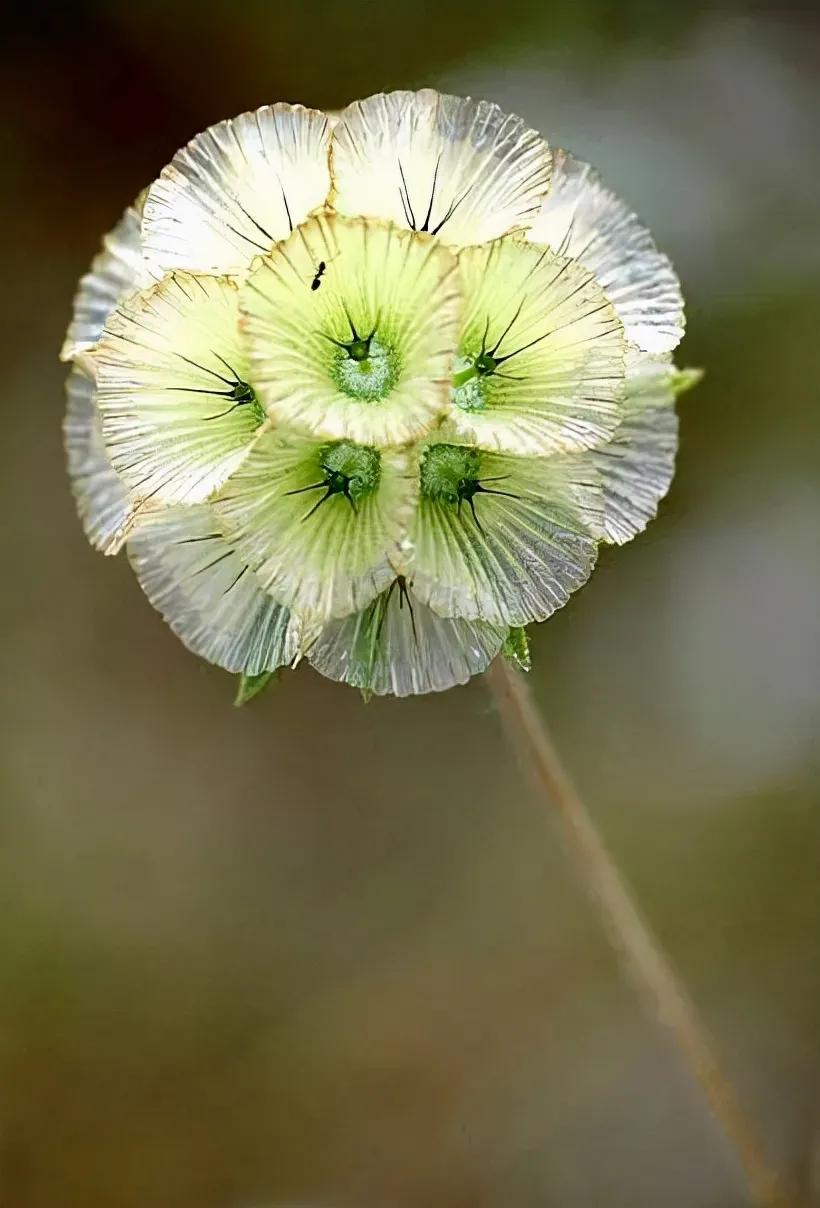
x: 516, y: 648
x: 683, y: 380
x: 251, y: 686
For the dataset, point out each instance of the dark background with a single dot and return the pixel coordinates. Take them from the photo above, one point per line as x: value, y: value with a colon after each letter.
x: 325, y: 954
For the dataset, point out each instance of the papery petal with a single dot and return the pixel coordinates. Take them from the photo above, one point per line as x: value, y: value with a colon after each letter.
x: 166, y: 367
x: 377, y: 277
x: 116, y: 271
x: 398, y: 646
x: 582, y: 219
x: 103, y: 502
x: 324, y: 557
x: 236, y: 189
x: 560, y: 346
x: 460, y: 168
x: 518, y: 552
x: 208, y: 595
x: 638, y: 464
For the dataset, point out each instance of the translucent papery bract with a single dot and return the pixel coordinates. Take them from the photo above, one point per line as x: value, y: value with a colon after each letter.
x: 541, y: 353
x: 103, y: 503
x: 582, y: 219
x: 459, y: 168
x: 503, y: 539
x: 116, y: 271
x: 236, y: 189
x: 351, y: 325
x: 398, y: 646
x: 208, y: 595
x: 172, y: 383
x: 321, y: 524
x: 638, y: 464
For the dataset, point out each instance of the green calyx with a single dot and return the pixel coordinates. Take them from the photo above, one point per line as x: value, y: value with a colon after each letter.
x: 470, y: 381
x: 250, y: 686
x: 682, y: 380
x: 516, y: 648
x: 241, y: 394
x: 482, y: 365
x: 348, y: 470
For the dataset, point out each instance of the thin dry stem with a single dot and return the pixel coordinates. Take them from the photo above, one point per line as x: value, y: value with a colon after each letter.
x: 642, y: 956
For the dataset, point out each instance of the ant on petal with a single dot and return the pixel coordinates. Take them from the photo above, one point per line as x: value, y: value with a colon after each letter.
x: 321, y: 269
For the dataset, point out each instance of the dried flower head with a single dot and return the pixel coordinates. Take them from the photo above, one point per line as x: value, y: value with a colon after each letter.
x: 371, y: 390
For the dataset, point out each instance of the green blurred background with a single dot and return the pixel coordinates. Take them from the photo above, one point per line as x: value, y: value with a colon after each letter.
x: 320, y: 954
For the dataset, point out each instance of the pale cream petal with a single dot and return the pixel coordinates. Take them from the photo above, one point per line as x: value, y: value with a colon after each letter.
x: 378, y: 281
x: 398, y: 646
x: 582, y: 219
x: 512, y: 551
x: 208, y: 595
x: 236, y: 189
x: 459, y: 168
x: 320, y: 553
x: 638, y: 464
x: 559, y: 349
x: 172, y: 374
x: 115, y: 272
x: 103, y: 503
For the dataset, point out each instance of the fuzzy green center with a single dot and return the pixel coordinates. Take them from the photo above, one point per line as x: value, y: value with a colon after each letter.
x: 350, y: 471
x: 364, y: 366
x: 366, y: 369
x: 358, y: 465
x: 451, y: 474
x: 447, y: 471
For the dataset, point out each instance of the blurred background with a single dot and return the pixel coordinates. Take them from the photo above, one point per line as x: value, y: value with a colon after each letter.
x: 320, y: 954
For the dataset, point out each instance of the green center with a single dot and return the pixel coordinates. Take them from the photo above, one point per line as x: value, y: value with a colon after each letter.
x: 344, y: 469
x: 469, y: 389
x: 449, y: 472
x: 350, y: 470
x: 365, y: 368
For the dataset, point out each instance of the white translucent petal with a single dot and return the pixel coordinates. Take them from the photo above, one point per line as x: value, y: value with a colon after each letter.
x: 102, y: 499
x: 560, y: 346
x: 638, y: 464
x: 320, y: 557
x: 116, y: 271
x: 208, y: 595
x: 167, y: 367
x: 582, y: 219
x: 398, y: 646
x: 460, y: 168
x: 522, y: 553
x: 236, y: 189
x: 376, y: 278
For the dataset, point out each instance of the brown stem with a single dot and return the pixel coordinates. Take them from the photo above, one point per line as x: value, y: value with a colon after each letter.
x: 642, y: 956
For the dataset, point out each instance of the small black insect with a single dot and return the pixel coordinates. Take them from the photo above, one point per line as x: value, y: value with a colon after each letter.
x: 317, y: 280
